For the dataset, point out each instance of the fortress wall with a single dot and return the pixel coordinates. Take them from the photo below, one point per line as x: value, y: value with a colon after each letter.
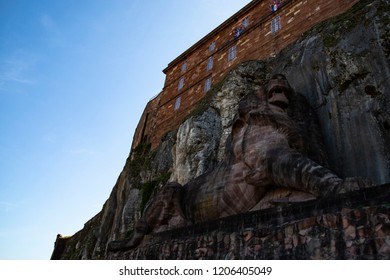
x: 256, y: 41
x: 351, y: 226
x: 147, y: 122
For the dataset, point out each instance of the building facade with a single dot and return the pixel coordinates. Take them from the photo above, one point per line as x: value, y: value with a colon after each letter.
x: 259, y: 30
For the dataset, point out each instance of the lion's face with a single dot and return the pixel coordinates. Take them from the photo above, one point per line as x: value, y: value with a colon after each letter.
x: 278, y: 91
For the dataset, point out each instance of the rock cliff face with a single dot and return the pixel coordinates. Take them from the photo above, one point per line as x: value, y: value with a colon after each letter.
x: 343, y: 70
x: 341, y: 66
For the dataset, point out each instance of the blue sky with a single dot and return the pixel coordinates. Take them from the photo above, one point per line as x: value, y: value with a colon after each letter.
x: 75, y: 77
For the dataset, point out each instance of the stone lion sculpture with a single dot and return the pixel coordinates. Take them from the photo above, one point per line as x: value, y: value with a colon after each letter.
x: 267, y: 150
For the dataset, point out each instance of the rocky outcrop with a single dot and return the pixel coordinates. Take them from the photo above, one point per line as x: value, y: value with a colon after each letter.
x: 272, y: 155
x: 196, y: 147
x: 201, y: 139
x: 342, y: 68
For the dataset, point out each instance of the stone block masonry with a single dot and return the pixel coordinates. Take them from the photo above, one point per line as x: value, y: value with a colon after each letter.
x: 254, y: 32
x: 352, y: 226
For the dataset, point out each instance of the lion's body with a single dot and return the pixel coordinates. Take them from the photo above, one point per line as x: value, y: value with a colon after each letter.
x: 267, y: 150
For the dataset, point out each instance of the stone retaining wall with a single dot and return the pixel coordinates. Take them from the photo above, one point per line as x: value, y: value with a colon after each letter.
x: 351, y: 226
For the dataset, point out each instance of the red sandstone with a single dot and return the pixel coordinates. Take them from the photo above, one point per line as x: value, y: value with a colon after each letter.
x: 254, y: 40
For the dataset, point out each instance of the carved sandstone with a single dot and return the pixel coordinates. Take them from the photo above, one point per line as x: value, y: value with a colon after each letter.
x: 267, y: 152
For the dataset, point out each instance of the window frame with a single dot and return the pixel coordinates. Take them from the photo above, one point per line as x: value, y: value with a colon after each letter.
x: 245, y: 22
x: 210, y: 63
x: 275, y: 24
x: 232, y: 53
x: 183, y: 67
x: 208, y: 83
x: 212, y: 46
x: 177, y: 103
x: 181, y: 83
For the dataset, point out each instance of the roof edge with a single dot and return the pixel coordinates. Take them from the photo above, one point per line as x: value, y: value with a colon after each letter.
x: 212, y: 33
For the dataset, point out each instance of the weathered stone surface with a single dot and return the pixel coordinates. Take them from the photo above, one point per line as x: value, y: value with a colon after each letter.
x: 195, y: 152
x: 268, y: 150
x: 304, y: 233
x: 342, y: 68
x: 201, y: 140
x: 247, y: 78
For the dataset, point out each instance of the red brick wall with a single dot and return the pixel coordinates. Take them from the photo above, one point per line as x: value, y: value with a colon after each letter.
x: 255, y: 42
x: 146, y: 125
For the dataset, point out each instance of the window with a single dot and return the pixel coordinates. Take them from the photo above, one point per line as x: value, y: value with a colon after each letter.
x: 210, y: 63
x: 275, y: 24
x: 245, y: 22
x: 239, y: 30
x: 212, y: 46
x: 184, y: 67
x: 177, y: 103
x: 232, y: 53
x: 181, y: 83
x: 275, y: 4
x: 207, y: 84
